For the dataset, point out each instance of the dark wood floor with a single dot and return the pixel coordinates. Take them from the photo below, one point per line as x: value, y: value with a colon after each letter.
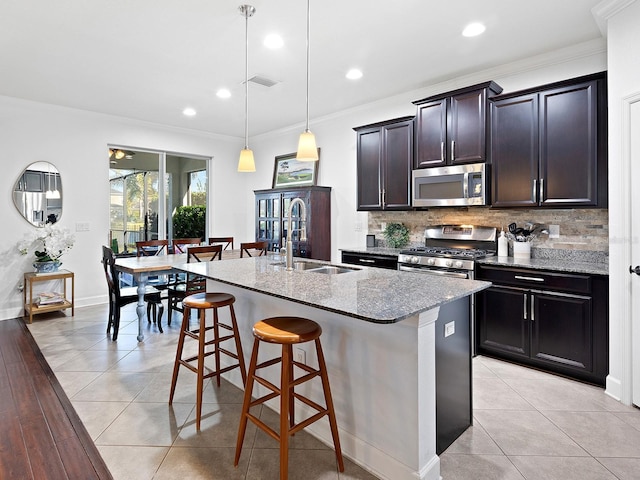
x: 41, y: 436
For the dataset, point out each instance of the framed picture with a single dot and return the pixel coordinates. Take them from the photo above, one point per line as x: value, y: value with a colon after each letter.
x: 289, y: 172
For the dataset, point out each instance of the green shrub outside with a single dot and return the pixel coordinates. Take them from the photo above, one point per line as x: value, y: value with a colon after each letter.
x: 189, y: 221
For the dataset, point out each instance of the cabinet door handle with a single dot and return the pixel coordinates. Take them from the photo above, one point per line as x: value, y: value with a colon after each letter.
x: 384, y: 197
x: 533, y: 315
x: 541, y: 190
x: 524, y: 306
x: 365, y: 260
x: 442, y: 151
x: 534, y: 191
x: 533, y: 279
x: 453, y: 150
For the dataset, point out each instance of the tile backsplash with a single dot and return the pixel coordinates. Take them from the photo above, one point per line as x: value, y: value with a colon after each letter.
x: 580, y: 229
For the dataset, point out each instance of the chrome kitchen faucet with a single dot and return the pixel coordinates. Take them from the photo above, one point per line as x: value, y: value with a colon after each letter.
x: 302, y: 229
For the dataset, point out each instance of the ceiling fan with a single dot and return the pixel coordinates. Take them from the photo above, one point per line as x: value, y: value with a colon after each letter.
x: 119, y: 154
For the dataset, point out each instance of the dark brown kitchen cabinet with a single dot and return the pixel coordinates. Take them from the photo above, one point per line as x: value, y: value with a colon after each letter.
x: 366, y: 259
x: 272, y: 207
x: 550, y: 320
x: 384, y: 163
x: 548, y: 145
x: 451, y: 128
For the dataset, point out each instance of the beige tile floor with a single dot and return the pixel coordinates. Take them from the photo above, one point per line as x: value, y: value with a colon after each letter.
x: 527, y: 424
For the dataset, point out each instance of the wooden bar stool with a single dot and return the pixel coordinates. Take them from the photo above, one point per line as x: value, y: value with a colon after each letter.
x: 202, y: 302
x: 287, y: 331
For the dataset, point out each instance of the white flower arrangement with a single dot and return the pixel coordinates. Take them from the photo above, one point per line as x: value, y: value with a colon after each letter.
x: 50, y: 243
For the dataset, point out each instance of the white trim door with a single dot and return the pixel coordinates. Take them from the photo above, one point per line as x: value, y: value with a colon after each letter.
x: 631, y: 152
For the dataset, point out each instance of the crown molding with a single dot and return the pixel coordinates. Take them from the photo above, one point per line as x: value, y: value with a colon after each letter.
x: 606, y: 9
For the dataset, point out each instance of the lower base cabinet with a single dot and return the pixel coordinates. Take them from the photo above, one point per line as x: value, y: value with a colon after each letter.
x: 559, y: 323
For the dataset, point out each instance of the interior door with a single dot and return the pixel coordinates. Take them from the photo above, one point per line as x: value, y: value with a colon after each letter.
x: 634, y: 146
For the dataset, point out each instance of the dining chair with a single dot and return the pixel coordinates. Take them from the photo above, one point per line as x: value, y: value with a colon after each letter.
x: 194, y: 283
x: 119, y: 297
x: 180, y: 245
x: 261, y: 247
x: 227, y: 241
x: 150, y: 248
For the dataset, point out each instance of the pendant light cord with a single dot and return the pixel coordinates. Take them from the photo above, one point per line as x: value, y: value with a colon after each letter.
x: 308, y: 58
x: 246, y: 78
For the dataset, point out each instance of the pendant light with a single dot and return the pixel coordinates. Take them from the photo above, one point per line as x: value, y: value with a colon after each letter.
x: 246, y: 162
x: 307, y: 150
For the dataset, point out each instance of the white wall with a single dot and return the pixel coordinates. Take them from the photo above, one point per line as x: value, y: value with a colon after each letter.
x: 76, y: 143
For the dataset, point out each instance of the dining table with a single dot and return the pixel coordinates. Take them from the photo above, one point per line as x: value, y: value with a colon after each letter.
x: 141, y: 268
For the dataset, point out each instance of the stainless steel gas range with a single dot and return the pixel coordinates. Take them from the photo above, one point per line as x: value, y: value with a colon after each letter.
x: 450, y: 250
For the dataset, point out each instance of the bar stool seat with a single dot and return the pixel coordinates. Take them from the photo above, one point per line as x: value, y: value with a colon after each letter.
x: 287, y: 331
x: 203, y: 302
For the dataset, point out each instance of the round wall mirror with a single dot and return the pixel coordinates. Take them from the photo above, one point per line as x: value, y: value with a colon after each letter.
x: 37, y: 194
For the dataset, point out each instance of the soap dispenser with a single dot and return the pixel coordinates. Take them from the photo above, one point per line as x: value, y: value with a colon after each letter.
x: 503, y: 245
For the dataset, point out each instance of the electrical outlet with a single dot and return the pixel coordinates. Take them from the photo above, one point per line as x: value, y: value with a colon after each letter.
x: 449, y: 329
x: 554, y: 231
x: 300, y: 356
x: 383, y: 226
x: 83, y: 226
x: 358, y: 226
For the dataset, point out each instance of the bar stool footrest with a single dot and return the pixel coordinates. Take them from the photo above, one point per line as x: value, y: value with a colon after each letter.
x: 305, y: 378
x: 264, y: 398
x: 305, y: 423
x: 266, y: 428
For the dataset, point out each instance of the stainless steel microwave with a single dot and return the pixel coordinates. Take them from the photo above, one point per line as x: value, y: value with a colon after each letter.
x: 456, y: 185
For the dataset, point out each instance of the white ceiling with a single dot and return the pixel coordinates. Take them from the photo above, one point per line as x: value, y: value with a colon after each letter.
x: 148, y: 59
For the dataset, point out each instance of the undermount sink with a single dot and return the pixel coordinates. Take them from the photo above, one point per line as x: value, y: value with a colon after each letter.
x: 300, y: 265
x: 315, y: 267
x: 332, y: 269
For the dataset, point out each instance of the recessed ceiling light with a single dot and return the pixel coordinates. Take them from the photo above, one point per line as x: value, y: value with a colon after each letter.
x: 223, y: 93
x: 273, y: 41
x: 189, y: 112
x: 354, y: 74
x: 473, y: 29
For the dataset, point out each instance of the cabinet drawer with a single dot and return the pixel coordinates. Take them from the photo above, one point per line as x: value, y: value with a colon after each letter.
x: 370, y: 260
x: 521, y: 277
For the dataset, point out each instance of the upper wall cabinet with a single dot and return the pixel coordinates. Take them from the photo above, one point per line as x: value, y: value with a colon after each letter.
x: 451, y: 128
x: 549, y: 145
x: 385, y: 160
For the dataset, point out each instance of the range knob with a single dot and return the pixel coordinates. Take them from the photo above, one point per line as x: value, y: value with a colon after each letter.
x: 458, y: 264
x: 431, y: 261
x: 448, y: 263
x: 415, y: 260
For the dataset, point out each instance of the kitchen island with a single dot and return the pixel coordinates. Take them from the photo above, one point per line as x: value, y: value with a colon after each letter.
x: 379, y: 338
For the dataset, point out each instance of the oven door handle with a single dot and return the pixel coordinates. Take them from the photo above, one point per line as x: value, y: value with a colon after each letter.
x: 429, y: 271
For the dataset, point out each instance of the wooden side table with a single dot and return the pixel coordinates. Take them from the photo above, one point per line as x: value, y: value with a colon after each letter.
x: 31, y: 308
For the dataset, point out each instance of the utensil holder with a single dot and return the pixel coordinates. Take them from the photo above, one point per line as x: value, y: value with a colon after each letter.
x: 522, y: 250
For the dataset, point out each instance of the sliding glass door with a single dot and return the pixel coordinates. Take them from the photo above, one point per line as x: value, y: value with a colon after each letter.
x: 136, y: 212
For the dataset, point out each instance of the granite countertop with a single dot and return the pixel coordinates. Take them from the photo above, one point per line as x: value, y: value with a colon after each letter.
x: 372, y: 294
x: 394, y: 252
x: 559, y: 260
x: 553, y: 264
